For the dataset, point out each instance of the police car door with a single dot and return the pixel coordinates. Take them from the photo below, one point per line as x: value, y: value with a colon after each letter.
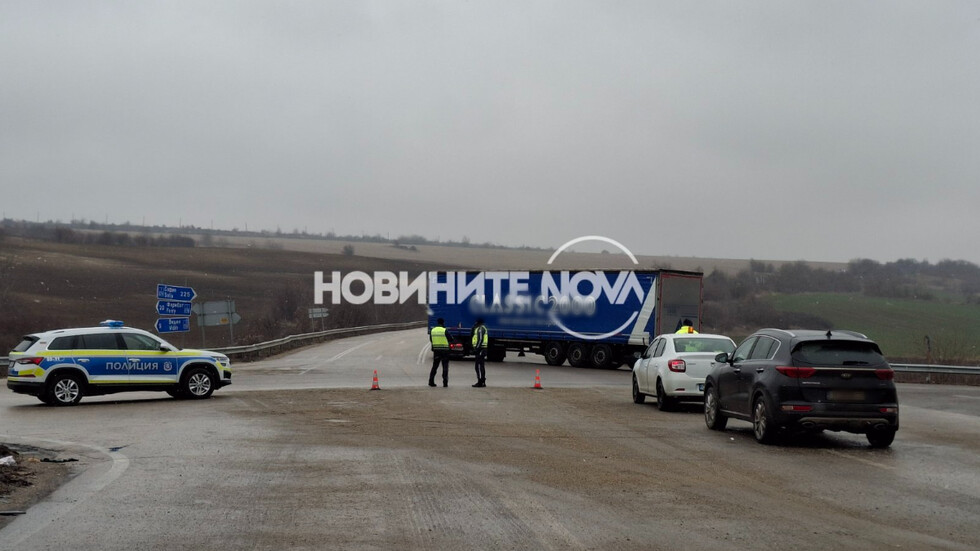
x: 147, y: 362
x: 100, y: 355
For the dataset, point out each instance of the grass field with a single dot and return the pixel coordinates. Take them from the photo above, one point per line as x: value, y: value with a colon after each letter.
x: 900, y: 326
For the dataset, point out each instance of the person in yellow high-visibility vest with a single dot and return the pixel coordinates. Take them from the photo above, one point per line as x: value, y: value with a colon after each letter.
x: 480, y: 339
x: 440, y: 352
x: 686, y: 327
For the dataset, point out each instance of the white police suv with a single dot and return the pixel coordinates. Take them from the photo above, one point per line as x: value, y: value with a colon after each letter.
x: 61, y: 366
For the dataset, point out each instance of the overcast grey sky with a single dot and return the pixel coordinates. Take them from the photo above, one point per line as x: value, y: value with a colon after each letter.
x: 772, y: 130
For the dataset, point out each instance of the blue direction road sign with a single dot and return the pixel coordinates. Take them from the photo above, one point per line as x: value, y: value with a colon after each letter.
x: 172, y: 292
x: 173, y: 308
x: 173, y: 325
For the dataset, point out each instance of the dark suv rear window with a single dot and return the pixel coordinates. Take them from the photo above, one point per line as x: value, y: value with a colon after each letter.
x: 25, y: 344
x: 837, y: 353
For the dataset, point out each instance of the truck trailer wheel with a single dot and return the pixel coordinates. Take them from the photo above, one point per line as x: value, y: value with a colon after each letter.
x: 496, y: 354
x: 601, y: 356
x: 578, y: 355
x: 554, y: 353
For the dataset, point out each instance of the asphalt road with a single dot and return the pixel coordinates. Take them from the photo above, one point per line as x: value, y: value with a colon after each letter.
x: 299, y: 454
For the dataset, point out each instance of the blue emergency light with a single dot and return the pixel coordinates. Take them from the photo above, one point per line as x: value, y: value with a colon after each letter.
x: 111, y: 323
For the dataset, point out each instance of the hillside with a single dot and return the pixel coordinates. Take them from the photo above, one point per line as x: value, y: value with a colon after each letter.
x: 46, y: 284
x: 49, y: 285
x: 900, y: 326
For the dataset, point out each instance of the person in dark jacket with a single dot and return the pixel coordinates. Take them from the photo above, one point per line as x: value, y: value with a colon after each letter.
x: 480, y: 339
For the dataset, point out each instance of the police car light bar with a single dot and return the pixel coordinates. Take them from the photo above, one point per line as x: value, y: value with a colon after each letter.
x: 111, y: 323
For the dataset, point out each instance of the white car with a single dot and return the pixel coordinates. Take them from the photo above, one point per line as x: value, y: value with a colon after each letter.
x: 674, y: 366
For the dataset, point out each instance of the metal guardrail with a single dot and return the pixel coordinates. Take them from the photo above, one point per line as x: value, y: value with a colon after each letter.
x: 936, y: 369
x: 292, y: 341
x: 279, y: 344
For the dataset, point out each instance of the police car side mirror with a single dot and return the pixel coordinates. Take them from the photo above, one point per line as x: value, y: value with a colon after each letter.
x: 167, y: 348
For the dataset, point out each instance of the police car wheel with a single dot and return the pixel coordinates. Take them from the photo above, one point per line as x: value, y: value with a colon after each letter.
x: 65, y: 390
x: 198, y: 383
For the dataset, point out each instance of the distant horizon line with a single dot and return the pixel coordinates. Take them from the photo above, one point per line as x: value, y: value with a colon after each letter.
x: 412, y: 239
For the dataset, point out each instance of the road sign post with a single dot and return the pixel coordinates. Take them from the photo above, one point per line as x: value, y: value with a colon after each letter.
x: 173, y: 325
x: 217, y: 312
x: 321, y: 314
x: 174, y: 300
x: 173, y: 308
x: 173, y: 292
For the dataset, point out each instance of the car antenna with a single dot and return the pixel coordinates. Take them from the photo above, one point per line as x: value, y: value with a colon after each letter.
x: 828, y: 334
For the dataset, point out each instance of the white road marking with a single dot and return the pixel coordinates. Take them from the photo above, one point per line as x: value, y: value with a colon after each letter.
x: 338, y: 356
x: 422, y: 352
x: 861, y: 460
x: 965, y: 396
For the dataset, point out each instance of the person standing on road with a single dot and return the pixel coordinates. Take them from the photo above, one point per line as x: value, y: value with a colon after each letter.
x: 480, y: 339
x: 686, y: 327
x: 440, y: 352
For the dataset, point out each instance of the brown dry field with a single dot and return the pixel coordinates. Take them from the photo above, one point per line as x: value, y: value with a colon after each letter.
x: 478, y: 258
x: 29, y: 481
x: 63, y: 285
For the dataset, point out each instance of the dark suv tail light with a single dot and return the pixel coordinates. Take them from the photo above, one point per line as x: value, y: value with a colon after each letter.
x: 885, y: 374
x: 677, y: 366
x: 796, y: 372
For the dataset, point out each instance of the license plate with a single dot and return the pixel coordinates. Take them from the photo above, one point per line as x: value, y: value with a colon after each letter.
x: 700, y: 387
x: 846, y: 395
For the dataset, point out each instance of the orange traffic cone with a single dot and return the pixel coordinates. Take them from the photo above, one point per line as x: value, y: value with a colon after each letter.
x: 374, y: 385
x: 537, y: 380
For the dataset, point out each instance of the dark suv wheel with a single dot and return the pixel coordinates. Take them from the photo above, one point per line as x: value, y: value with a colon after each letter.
x: 713, y: 417
x: 763, y: 425
x: 881, y: 438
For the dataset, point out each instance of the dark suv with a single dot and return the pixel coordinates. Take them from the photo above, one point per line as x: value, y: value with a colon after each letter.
x: 804, y: 380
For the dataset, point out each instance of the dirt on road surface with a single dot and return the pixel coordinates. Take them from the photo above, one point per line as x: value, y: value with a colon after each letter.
x: 570, y: 468
x: 28, y: 481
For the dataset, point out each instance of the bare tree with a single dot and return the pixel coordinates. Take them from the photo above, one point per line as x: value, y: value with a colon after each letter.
x: 8, y: 263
